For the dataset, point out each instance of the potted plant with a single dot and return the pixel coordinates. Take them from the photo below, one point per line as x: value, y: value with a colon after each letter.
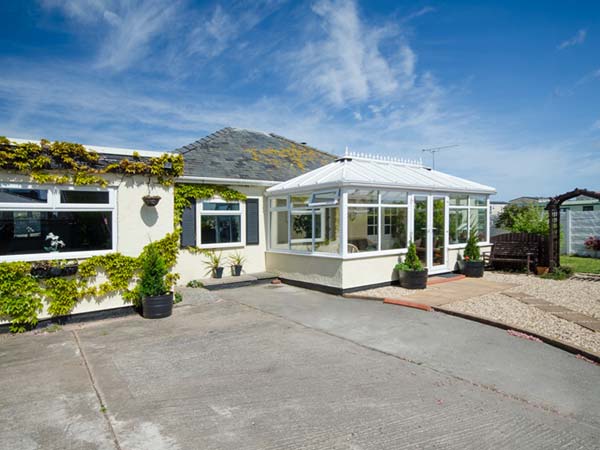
x: 214, y: 264
x: 236, y: 260
x: 411, y: 273
x: 157, y: 299
x: 472, y: 257
x: 151, y: 200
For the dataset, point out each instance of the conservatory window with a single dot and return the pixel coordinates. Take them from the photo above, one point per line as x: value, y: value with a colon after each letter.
x: 324, y: 198
x: 50, y: 223
x: 220, y: 223
x: 362, y: 229
x: 466, y: 212
x: 395, y: 223
x: 330, y: 231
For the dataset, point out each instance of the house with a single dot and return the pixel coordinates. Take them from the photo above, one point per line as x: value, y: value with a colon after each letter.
x: 313, y: 218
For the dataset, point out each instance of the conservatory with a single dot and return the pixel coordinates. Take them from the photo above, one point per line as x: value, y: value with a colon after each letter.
x: 344, y: 226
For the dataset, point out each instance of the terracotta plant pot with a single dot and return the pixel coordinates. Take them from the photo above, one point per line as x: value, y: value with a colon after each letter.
x: 473, y: 269
x: 413, y: 279
x: 151, y: 200
x: 158, y: 306
x: 541, y: 270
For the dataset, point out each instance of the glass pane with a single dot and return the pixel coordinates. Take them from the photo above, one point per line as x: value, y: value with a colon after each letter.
x: 325, y: 197
x: 392, y: 197
x: 362, y: 196
x: 420, y: 227
x: 362, y: 230
x: 279, y: 202
x: 477, y: 200
x: 479, y: 222
x: 302, y: 231
x: 219, y: 206
x: 10, y: 195
x: 27, y: 232
x: 329, y: 222
x: 459, y: 225
x: 439, y: 231
x: 300, y: 200
x: 395, y: 222
x: 219, y: 229
x: 279, y: 229
x: 93, y: 197
x: 459, y: 200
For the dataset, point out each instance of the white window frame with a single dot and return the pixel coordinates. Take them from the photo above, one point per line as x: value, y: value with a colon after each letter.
x: 239, y: 212
x: 469, y: 208
x: 54, y: 204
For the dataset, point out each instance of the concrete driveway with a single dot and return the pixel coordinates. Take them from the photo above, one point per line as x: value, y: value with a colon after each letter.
x: 283, y: 368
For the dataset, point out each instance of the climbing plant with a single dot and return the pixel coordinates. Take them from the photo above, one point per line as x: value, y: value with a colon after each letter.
x: 22, y: 296
x: 185, y: 194
x: 79, y: 166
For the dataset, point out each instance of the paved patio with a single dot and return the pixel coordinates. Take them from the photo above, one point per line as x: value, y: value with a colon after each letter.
x: 284, y: 368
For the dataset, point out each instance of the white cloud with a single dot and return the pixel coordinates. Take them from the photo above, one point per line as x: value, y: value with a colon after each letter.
x: 578, y: 39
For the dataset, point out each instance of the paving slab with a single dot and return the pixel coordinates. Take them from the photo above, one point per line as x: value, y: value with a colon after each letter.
x: 592, y: 324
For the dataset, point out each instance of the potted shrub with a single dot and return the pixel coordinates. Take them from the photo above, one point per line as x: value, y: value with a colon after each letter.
x: 157, y: 299
x: 473, y: 264
x: 411, y: 273
x: 214, y: 264
x: 237, y: 261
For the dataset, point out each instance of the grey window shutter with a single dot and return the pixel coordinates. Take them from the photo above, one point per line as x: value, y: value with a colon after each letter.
x: 252, y: 216
x: 188, y: 226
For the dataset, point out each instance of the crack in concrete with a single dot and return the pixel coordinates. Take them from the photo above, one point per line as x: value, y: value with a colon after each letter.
x: 96, y: 391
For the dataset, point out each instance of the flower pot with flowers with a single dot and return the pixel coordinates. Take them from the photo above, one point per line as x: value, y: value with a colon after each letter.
x: 593, y: 243
x: 473, y: 264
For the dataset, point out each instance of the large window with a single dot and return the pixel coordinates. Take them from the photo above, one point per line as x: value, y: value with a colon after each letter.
x: 220, y: 223
x: 377, y: 220
x: 468, y: 212
x: 55, y: 222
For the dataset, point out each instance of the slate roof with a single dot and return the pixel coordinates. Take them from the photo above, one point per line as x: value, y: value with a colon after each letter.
x: 251, y: 155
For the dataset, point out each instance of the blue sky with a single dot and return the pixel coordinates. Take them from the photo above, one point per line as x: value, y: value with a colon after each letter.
x: 515, y: 84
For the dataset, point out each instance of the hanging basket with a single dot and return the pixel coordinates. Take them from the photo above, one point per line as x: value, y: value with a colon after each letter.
x: 151, y: 200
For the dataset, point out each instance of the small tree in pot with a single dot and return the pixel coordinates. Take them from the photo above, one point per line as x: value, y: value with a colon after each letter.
x: 214, y: 264
x: 411, y: 273
x: 157, y: 300
x: 473, y: 264
x: 237, y: 260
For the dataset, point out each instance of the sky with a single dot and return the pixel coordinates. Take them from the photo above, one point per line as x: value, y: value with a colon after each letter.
x: 513, y: 86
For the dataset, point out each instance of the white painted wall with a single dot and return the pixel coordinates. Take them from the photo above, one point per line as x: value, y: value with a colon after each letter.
x: 192, y: 266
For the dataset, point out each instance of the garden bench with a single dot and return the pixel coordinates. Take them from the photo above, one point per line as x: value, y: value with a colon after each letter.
x: 516, y: 254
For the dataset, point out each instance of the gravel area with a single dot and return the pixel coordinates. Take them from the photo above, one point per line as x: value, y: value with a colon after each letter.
x: 577, y: 295
x: 513, y: 312
x: 389, y: 292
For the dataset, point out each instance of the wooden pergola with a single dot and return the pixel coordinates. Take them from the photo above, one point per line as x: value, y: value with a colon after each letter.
x: 553, y: 208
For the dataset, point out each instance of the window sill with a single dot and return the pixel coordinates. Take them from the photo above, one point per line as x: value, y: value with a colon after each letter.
x: 52, y: 256
x: 462, y: 246
x: 227, y: 245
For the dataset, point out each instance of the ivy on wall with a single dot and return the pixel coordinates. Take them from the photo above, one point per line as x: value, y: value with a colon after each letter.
x: 22, y: 295
x: 185, y: 194
x: 80, y: 166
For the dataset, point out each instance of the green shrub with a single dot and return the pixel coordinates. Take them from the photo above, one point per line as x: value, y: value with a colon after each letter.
x: 411, y: 260
x: 177, y: 298
x: 195, y: 284
x: 524, y: 219
x: 559, y: 273
x: 154, y: 271
x: 472, y: 252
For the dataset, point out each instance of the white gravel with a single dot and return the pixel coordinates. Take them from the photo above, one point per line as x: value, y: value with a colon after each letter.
x: 577, y: 295
x: 389, y: 292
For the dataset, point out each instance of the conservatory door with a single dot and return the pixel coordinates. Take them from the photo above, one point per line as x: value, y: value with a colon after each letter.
x: 430, y: 231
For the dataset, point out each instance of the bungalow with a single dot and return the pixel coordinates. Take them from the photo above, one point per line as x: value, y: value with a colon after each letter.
x: 315, y: 219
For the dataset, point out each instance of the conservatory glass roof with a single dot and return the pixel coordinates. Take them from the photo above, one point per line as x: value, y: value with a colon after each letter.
x: 378, y: 173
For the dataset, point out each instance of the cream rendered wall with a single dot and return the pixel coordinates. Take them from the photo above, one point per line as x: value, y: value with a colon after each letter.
x: 136, y: 226
x: 366, y: 271
x: 306, y: 268
x: 192, y: 266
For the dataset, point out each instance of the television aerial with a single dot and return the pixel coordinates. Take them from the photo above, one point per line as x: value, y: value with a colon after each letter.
x: 434, y: 150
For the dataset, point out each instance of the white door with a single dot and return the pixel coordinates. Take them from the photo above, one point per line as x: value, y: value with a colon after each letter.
x: 430, y: 231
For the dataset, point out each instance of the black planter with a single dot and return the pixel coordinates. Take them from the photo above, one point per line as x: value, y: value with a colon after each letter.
x: 218, y: 272
x: 473, y: 269
x: 70, y: 270
x: 237, y: 270
x: 40, y: 272
x: 157, y: 307
x: 413, y: 279
x: 151, y: 200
